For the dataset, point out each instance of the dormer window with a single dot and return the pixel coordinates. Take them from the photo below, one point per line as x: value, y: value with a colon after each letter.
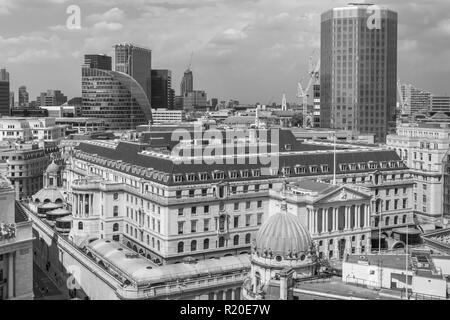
x: 203, y: 176
x: 373, y: 165
x: 362, y: 166
x: 218, y: 175
x: 288, y: 147
x: 233, y: 174
x: 256, y: 173
x: 286, y: 171
x: 178, y: 178
x: 314, y: 169
x: 344, y: 167
x: 353, y: 167
x: 300, y: 170
x: 325, y: 168
x: 190, y: 177
x: 244, y: 174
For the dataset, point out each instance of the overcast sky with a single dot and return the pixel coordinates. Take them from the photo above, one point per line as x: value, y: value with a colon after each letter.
x: 249, y: 50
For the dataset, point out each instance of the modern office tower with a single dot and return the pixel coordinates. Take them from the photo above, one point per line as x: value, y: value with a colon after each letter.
x: 195, y: 100
x: 136, y: 62
x: 51, y: 98
x: 359, y: 69
x: 16, y: 247
x: 11, y: 99
x: 161, y: 89
x: 77, y: 102
x: 187, y: 83
x: 416, y: 100
x: 24, y: 97
x: 178, y: 102
x: 98, y: 61
x: 440, y: 104
x: 172, y: 99
x: 115, y: 97
x: 4, y: 93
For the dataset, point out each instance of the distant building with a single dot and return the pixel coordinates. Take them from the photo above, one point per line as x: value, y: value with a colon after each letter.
x: 440, y: 103
x: 178, y: 103
x: 187, y: 83
x: 25, y: 129
x: 16, y: 248
x: 4, y: 93
x: 77, y: 102
x: 61, y: 111
x: 136, y: 62
x: 167, y: 116
x: 82, y: 125
x: 344, y: 105
x: 195, y: 100
x: 98, y: 61
x: 162, y: 89
x: 416, y: 100
x: 23, y: 164
x: 51, y: 98
x: 316, y: 112
x: 214, y: 103
x: 24, y: 97
x: 11, y: 99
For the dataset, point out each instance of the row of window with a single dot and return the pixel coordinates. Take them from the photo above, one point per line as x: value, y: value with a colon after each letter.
x: 193, y: 246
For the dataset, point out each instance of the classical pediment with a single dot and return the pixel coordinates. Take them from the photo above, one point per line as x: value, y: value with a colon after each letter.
x: 343, y: 195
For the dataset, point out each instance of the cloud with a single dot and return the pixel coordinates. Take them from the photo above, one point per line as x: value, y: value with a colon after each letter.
x: 114, y: 14
x: 108, y: 26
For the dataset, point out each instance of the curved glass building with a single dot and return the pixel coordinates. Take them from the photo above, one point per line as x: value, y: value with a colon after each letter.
x: 115, y: 97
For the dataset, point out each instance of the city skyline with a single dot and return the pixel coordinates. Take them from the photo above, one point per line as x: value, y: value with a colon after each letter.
x: 257, y: 37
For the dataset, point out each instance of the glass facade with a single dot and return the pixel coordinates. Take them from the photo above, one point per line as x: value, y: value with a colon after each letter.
x: 359, y: 70
x: 115, y: 97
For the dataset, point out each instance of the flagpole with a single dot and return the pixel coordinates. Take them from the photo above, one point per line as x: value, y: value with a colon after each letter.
x: 334, y: 159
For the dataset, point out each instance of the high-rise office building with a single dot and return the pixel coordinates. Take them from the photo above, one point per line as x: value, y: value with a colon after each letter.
x: 195, y: 100
x: 187, y: 83
x: 416, y: 100
x: 24, y: 97
x: 136, y: 62
x: 162, y: 89
x: 115, y: 97
x: 4, y: 93
x: 51, y: 98
x: 98, y: 61
x: 359, y: 69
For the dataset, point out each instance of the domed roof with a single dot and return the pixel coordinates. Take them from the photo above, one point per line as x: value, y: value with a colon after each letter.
x: 282, y: 235
x: 52, y: 168
x: 49, y: 195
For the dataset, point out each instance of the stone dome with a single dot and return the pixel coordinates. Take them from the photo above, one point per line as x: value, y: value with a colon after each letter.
x: 52, y: 168
x: 283, y: 235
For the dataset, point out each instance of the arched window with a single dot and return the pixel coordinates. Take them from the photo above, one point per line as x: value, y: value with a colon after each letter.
x: 387, y: 221
x: 115, y: 227
x: 116, y: 211
x: 404, y: 219
x: 194, y: 245
x: 80, y: 225
x: 395, y: 220
x: 101, y: 226
x: 127, y: 228
x: 158, y: 247
x: 148, y: 240
x: 236, y: 240
x: 135, y: 233
x: 180, y: 247
x: 221, y: 242
x: 206, y: 244
x: 153, y: 243
x: 248, y: 238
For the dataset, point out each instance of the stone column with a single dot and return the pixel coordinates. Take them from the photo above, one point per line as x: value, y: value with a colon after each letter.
x: 233, y: 294
x: 357, y: 217
x: 335, y: 219
x: 11, y: 283
x: 367, y: 217
x: 325, y: 221
x: 316, y: 221
x: 347, y: 218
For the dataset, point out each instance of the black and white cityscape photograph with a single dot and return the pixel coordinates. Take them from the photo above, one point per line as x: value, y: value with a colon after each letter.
x: 229, y: 155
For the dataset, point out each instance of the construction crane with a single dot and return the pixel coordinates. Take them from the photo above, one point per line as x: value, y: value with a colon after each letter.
x: 404, y: 103
x: 303, y: 94
x: 190, y: 61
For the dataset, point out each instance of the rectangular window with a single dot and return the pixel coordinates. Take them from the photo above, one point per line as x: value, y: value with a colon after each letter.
x: 193, y: 226
x: 206, y: 225
x: 180, y: 227
x: 248, y: 219
x: 236, y: 222
x: 236, y: 206
x: 206, y: 210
